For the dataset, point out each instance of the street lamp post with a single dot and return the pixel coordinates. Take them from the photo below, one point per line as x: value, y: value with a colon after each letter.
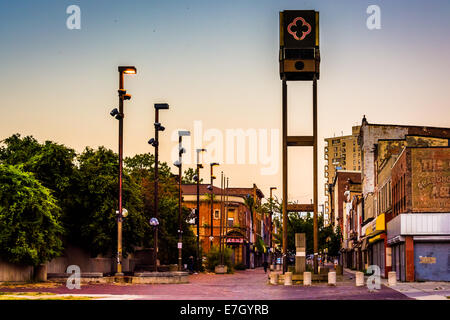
x: 271, y: 220
x: 178, y: 164
x: 119, y: 115
x: 211, y: 238
x: 155, y: 143
x: 199, y: 166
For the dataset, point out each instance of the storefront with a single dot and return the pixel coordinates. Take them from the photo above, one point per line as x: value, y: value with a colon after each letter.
x: 376, y: 235
x: 420, y: 244
x: 236, y: 242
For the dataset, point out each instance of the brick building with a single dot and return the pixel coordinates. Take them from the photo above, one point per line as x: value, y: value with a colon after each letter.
x: 235, y: 230
x: 385, y: 183
x: 341, y: 153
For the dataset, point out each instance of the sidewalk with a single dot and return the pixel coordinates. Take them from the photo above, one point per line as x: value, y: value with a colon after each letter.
x: 418, y: 290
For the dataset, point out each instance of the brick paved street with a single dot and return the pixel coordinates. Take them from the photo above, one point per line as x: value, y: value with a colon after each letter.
x: 242, y: 285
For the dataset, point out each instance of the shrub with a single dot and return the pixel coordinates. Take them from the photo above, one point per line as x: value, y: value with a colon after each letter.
x: 213, y: 258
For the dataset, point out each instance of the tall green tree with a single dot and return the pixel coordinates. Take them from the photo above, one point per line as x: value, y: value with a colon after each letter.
x: 30, y: 227
x: 141, y: 167
x: 51, y: 163
x: 95, y: 225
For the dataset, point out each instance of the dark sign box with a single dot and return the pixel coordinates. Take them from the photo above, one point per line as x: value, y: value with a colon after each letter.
x: 299, y: 29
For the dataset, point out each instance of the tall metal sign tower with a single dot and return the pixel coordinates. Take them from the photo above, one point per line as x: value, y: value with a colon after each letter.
x: 299, y: 61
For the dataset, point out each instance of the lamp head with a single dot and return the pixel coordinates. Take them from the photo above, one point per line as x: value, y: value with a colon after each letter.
x: 184, y: 133
x: 127, y: 69
x: 161, y: 106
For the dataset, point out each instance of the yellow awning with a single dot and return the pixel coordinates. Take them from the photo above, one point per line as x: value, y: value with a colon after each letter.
x: 378, y: 226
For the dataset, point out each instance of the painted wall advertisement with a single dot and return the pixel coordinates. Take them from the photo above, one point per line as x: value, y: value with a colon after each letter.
x: 431, y: 179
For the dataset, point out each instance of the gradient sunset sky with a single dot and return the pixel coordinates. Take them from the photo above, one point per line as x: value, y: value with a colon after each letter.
x: 217, y: 61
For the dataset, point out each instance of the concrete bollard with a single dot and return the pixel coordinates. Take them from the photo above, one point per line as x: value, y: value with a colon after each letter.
x: 359, y: 279
x: 331, y: 278
x: 392, y: 278
x: 274, y: 278
x: 288, y: 279
x: 339, y: 270
x: 306, y: 278
x: 278, y: 267
x: 272, y: 267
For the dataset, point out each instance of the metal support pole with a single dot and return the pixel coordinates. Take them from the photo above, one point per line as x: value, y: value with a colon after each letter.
x: 212, y: 203
x: 285, y: 173
x: 155, y: 249
x: 198, y: 216
x: 119, y: 214
x: 180, y: 231
x: 315, y: 201
x: 221, y: 217
x: 226, y: 213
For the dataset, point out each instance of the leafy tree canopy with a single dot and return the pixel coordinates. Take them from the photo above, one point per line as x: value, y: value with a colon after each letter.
x: 30, y: 228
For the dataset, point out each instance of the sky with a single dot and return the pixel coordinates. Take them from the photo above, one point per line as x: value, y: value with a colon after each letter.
x: 216, y: 64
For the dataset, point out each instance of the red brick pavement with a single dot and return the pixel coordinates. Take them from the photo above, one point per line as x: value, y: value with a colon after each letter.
x: 242, y: 285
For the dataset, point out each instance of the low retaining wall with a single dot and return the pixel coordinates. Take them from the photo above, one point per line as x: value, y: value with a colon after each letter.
x: 10, y: 272
x: 138, y: 278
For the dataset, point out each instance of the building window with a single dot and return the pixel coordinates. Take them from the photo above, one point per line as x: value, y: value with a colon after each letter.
x: 216, y: 214
x: 230, y: 222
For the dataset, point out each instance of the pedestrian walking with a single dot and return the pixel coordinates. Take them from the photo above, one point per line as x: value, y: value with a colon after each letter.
x: 265, y: 265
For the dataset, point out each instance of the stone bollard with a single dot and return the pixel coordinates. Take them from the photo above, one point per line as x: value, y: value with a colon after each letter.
x: 392, y: 278
x: 274, y: 278
x: 278, y: 267
x: 288, y: 279
x: 359, y: 279
x: 331, y: 278
x: 272, y: 267
x: 306, y: 278
x: 339, y: 270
